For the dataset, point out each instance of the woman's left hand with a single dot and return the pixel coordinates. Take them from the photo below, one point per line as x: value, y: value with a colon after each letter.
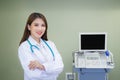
x: 35, y: 64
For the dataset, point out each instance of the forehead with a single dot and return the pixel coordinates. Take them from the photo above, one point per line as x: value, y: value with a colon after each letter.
x: 38, y: 20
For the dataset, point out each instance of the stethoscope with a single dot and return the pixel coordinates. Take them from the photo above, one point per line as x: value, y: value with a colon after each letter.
x: 31, y: 48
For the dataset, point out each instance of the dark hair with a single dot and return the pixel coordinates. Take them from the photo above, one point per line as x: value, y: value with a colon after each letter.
x: 31, y: 18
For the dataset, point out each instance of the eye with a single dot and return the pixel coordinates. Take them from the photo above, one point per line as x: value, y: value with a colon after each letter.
x: 43, y: 25
x: 36, y: 24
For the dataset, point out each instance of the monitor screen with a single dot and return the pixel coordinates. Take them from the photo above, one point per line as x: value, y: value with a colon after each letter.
x: 92, y: 41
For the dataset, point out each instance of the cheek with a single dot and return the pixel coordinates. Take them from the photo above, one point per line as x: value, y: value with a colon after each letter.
x: 32, y: 30
x: 43, y: 29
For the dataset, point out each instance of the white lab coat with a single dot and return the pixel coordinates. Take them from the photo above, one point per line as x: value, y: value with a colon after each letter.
x: 52, y: 67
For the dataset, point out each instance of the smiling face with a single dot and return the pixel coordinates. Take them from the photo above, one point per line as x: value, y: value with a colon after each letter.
x: 37, y: 29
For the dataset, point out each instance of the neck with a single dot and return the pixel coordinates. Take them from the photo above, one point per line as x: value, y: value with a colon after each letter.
x: 36, y: 39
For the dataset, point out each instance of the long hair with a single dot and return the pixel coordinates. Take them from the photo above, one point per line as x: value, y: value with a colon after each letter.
x: 31, y: 18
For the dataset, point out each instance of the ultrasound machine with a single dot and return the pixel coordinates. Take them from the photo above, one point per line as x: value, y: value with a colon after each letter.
x: 93, y: 61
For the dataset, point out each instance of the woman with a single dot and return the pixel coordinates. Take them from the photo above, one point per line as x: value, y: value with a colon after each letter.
x: 39, y: 57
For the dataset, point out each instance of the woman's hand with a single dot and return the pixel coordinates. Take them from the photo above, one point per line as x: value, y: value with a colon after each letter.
x: 35, y: 64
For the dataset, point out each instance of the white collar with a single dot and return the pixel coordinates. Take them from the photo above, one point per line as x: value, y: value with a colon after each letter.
x: 34, y: 42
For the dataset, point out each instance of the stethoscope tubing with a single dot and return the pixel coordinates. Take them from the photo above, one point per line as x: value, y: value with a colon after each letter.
x: 31, y: 47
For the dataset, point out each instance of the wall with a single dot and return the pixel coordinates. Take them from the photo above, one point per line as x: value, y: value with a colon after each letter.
x: 66, y: 18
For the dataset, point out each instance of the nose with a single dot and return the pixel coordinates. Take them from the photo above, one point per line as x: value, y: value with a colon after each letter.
x: 40, y: 27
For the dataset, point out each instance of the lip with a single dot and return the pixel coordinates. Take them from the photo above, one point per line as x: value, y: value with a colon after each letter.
x: 39, y: 33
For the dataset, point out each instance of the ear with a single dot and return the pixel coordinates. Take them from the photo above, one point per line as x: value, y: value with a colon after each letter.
x: 28, y: 26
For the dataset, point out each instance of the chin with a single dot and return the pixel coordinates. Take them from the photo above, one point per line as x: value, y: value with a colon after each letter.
x: 38, y: 36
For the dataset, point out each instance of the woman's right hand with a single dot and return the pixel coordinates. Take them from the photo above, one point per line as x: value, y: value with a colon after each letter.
x: 35, y: 65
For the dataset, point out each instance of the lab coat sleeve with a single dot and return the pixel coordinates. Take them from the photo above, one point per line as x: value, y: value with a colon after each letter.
x: 25, y: 59
x: 56, y: 66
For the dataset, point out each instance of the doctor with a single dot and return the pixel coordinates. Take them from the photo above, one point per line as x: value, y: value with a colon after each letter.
x: 39, y: 56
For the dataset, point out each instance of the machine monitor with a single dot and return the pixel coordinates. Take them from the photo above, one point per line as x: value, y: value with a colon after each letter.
x: 92, y: 41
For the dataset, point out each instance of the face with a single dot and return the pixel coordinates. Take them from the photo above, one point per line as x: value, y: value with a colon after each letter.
x: 37, y: 28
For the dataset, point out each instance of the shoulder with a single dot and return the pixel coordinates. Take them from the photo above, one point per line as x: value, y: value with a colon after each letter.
x: 51, y: 42
x: 23, y: 49
x: 23, y: 45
